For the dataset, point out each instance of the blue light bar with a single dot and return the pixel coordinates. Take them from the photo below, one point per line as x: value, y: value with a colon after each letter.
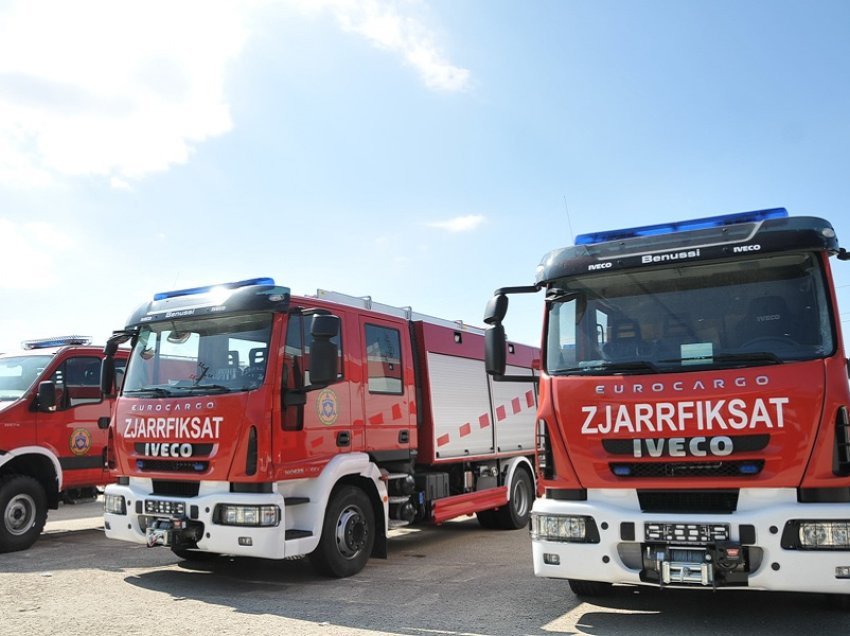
x: 682, y: 226
x: 622, y: 470
x: 193, y: 291
x: 60, y: 341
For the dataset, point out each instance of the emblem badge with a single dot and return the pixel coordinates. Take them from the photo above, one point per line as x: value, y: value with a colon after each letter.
x: 80, y: 441
x: 327, y: 407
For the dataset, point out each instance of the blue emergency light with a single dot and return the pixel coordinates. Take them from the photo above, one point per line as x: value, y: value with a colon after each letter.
x: 59, y: 341
x: 681, y: 226
x: 194, y: 291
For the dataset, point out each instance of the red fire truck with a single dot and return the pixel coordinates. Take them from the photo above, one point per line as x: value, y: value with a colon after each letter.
x: 257, y: 423
x: 54, y: 423
x: 693, y: 424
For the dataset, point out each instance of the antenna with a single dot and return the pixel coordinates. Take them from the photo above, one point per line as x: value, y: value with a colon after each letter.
x: 569, y: 223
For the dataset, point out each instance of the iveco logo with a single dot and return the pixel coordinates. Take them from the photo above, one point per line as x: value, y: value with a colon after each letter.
x: 596, y: 266
x: 746, y: 248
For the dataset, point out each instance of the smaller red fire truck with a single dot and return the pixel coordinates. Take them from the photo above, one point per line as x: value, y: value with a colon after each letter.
x: 53, y: 432
x: 257, y: 423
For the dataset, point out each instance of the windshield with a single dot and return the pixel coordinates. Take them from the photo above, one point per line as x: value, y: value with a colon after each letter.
x: 718, y: 315
x: 18, y: 373
x: 195, y: 357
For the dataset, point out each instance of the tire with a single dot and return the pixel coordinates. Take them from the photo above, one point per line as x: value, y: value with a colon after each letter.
x: 488, y: 519
x: 191, y: 554
x: 348, y: 534
x: 23, y: 512
x: 516, y: 512
x: 589, y: 588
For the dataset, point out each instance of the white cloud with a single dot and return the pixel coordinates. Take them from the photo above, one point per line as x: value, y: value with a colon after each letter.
x: 459, y: 223
x: 111, y: 88
x: 389, y: 25
x: 120, y: 90
x: 29, y: 254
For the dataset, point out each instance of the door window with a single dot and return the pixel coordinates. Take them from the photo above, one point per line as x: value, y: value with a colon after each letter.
x: 383, y: 360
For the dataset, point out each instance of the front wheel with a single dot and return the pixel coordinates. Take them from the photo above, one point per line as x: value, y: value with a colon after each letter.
x: 589, y: 588
x: 23, y: 505
x: 348, y: 534
x: 515, y: 513
x: 192, y: 554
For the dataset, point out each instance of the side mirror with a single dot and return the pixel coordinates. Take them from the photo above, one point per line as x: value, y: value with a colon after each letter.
x: 323, y: 353
x: 46, y: 397
x: 107, y: 375
x: 495, y: 349
x: 497, y: 308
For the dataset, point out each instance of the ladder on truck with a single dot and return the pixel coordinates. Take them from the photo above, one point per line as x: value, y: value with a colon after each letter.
x: 366, y: 302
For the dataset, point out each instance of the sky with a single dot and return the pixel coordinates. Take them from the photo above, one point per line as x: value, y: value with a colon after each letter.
x: 419, y: 152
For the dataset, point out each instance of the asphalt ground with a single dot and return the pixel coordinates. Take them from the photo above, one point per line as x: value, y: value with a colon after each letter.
x: 455, y: 580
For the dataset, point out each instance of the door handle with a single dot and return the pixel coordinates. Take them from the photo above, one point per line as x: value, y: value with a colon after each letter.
x: 403, y: 437
x: 343, y: 438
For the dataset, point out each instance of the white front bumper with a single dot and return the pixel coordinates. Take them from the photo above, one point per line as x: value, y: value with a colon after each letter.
x: 767, y: 510
x: 266, y: 542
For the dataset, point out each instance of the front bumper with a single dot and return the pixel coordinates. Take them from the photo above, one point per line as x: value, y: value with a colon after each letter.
x: 628, y: 549
x: 193, y: 524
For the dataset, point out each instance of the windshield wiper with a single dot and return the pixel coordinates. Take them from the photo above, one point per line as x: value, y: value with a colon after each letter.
x: 603, y: 367
x: 155, y: 390
x: 218, y: 388
x: 741, y: 358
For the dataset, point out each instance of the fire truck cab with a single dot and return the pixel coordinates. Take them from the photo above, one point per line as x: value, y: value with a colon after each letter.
x: 53, y: 432
x: 693, y: 425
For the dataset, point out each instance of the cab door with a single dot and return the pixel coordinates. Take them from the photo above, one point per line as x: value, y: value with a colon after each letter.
x: 309, y: 431
x: 71, y: 431
x: 387, y: 385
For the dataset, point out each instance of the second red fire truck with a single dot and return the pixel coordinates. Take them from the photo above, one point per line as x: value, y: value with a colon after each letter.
x: 257, y: 423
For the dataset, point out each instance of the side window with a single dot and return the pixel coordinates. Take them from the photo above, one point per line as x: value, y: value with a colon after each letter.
x: 77, y: 382
x: 561, y: 342
x: 308, y: 341
x: 383, y: 360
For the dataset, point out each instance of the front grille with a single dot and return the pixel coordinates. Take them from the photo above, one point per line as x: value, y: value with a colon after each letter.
x: 165, y: 507
x: 747, y: 468
x: 699, y: 533
x: 688, y: 501
x: 176, y: 488
x: 171, y: 466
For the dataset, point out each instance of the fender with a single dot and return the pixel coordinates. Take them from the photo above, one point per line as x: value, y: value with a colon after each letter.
x: 511, y: 468
x: 319, y: 489
x: 35, y: 450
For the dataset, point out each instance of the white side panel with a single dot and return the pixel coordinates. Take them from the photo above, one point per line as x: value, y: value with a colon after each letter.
x: 515, y: 408
x: 460, y: 405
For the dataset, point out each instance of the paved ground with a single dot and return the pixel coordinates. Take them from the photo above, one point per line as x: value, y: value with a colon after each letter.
x: 450, y: 581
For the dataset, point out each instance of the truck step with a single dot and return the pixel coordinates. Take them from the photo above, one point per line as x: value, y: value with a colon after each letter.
x: 294, y: 501
x: 297, y: 534
x: 398, y: 523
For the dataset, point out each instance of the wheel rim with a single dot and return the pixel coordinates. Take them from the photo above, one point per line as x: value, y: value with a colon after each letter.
x: 19, y: 516
x: 520, y: 498
x: 351, y: 532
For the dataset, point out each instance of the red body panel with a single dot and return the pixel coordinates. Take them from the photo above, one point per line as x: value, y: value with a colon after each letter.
x: 678, y: 415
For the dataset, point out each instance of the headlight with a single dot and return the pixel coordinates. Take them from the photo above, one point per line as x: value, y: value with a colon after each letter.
x: 114, y: 504
x: 825, y: 535
x: 233, y: 515
x: 567, y: 528
x: 832, y: 534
